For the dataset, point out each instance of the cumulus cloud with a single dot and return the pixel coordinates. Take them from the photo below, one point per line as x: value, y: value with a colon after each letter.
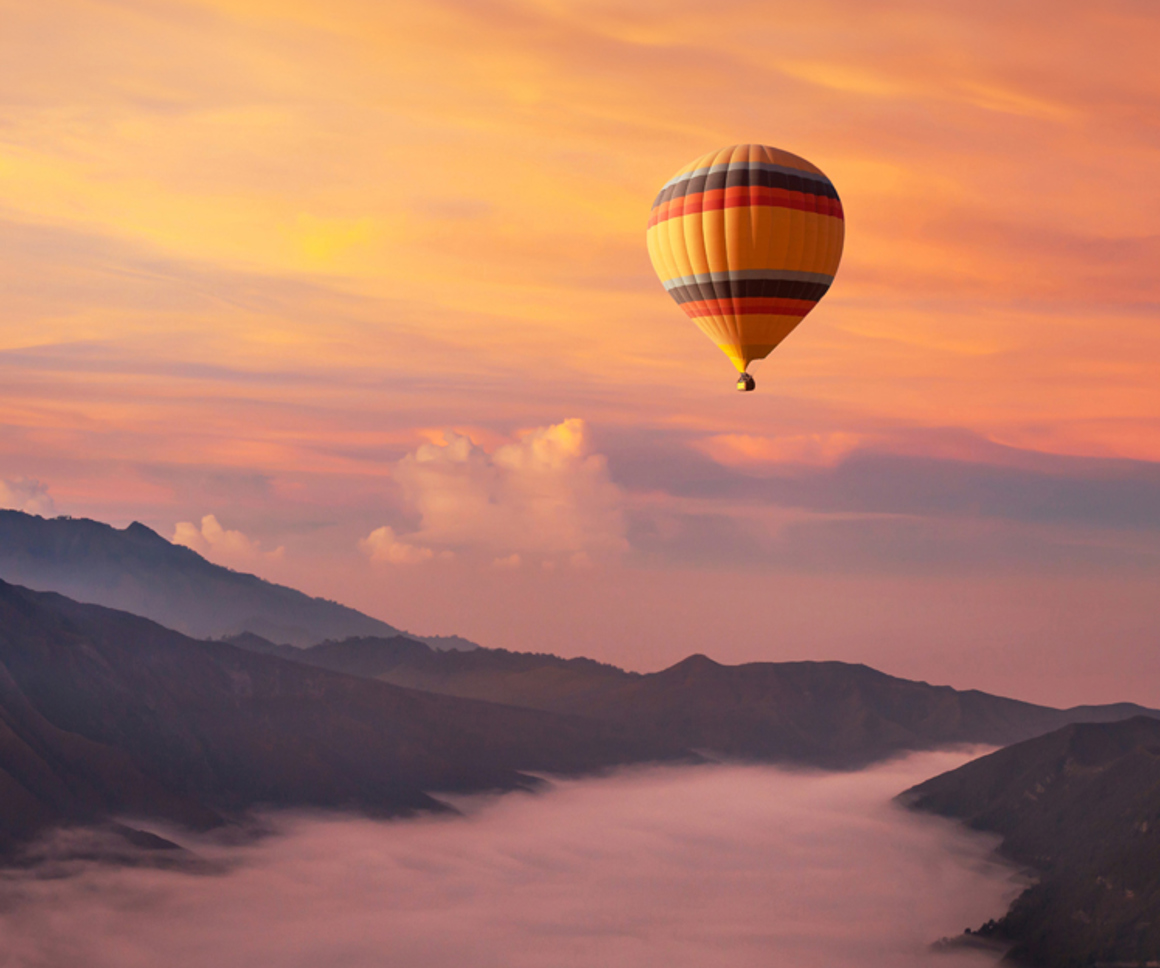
x: 544, y: 495
x: 26, y: 494
x: 212, y: 538
x: 682, y: 867
x: 383, y: 544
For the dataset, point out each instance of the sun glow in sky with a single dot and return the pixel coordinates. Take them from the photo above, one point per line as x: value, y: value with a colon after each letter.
x: 364, y: 286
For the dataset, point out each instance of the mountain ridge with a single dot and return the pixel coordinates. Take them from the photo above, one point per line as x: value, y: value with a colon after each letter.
x: 104, y: 713
x: 823, y: 713
x: 1080, y: 805
x: 137, y: 570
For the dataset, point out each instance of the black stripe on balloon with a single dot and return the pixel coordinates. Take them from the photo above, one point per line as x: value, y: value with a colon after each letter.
x: 750, y: 288
x: 744, y: 177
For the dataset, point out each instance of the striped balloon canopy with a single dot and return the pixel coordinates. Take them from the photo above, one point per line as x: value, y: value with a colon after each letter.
x: 747, y: 240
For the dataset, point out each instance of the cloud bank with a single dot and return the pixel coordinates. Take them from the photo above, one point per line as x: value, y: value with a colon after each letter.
x: 688, y: 868
x: 900, y: 503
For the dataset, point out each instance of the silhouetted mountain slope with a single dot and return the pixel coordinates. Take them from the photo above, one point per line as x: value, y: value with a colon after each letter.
x: 830, y: 714
x: 139, y: 571
x: 103, y: 712
x: 1082, y: 806
x: 534, y: 680
x: 49, y: 775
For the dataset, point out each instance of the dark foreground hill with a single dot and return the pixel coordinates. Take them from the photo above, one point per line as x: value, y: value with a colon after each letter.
x: 1082, y: 807
x: 829, y: 714
x: 137, y: 570
x: 103, y: 713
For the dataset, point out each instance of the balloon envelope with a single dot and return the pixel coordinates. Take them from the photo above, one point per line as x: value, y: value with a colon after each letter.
x: 747, y: 240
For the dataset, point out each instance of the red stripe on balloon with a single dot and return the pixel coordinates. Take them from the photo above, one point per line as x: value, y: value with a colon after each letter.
x: 747, y: 306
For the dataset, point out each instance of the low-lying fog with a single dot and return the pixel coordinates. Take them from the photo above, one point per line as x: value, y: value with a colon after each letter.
x: 689, y: 867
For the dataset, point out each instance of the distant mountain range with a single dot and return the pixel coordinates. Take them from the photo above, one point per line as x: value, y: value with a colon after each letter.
x: 829, y: 714
x: 103, y: 713
x: 137, y: 570
x: 1081, y: 806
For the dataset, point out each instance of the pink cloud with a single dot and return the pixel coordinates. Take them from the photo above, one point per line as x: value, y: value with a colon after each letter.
x: 210, y: 538
x: 26, y: 494
x: 545, y: 494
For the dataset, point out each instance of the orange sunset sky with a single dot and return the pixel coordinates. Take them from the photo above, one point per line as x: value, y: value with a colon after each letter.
x: 354, y: 295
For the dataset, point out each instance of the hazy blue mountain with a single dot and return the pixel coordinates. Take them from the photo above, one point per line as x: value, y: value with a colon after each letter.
x: 831, y: 714
x: 1081, y: 806
x: 103, y: 713
x: 137, y: 570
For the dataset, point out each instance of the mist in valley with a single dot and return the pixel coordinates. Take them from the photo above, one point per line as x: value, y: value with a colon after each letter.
x: 688, y: 867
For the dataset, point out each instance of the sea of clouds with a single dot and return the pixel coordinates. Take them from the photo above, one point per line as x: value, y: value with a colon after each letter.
x: 685, y: 867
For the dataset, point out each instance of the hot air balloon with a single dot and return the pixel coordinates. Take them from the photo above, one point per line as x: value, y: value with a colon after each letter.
x: 746, y: 240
